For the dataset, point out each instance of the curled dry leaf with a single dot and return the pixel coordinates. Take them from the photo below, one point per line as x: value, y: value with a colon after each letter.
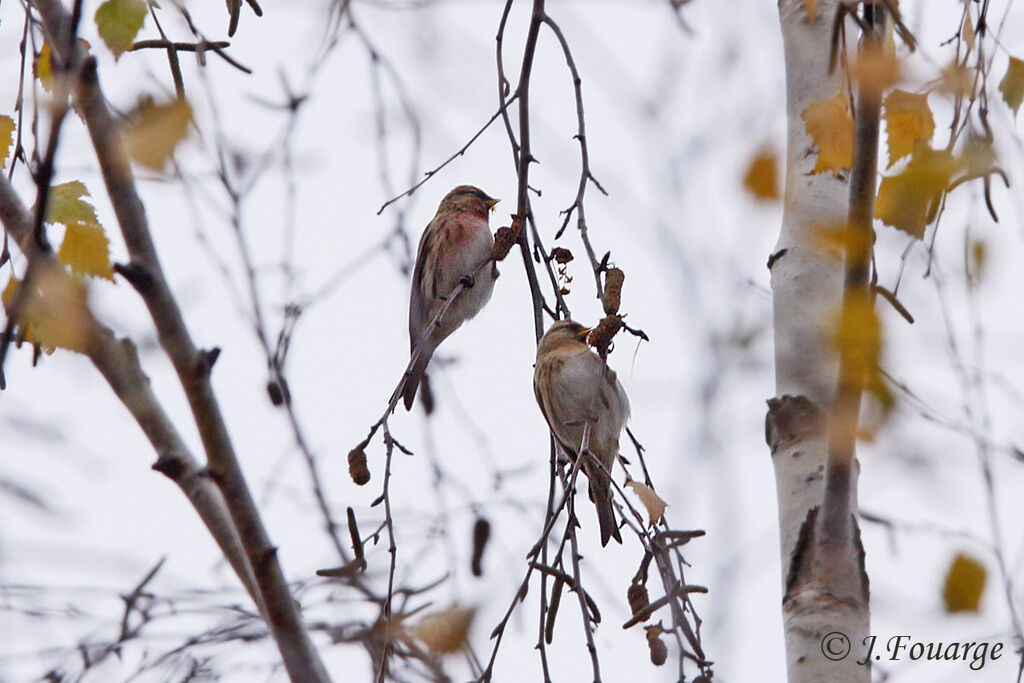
x: 561, y: 255
x: 651, y: 500
x: 1012, y: 84
x: 444, y: 632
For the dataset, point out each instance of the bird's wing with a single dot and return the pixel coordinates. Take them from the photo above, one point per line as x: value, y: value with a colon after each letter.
x: 613, y: 395
x: 418, y: 295
x: 553, y: 410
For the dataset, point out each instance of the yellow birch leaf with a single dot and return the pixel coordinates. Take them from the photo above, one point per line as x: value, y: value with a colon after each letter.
x: 44, y: 63
x: 6, y: 139
x: 651, y: 500
x: 830, y: 125
x: 65, y: 204
x: 762, y: 177
x: 44, y: 68
x: 1012, y: 85
x: 119, y: 21
x: 905, y: 201
x: 444, y: 632
x: 10, y: 291
x: 858, y: 336
x: 839, y: 237
x: 965, y: 582
x: 55, y: 314
x: 876, y: 68
x: 86, y: 250
x: 812, y: 10
x: 156, y: 132
x: 907, y: 120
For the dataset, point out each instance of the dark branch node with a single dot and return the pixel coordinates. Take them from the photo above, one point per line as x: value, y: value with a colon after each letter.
x: 205, y: 360
x: 138, y: 276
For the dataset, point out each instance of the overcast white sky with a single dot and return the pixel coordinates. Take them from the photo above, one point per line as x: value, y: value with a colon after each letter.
x: 673, y: 117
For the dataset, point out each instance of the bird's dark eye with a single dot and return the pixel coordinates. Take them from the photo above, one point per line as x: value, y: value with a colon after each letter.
x: 479, y: 194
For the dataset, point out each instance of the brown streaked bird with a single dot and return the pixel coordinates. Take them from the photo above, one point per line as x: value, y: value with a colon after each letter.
x: 574, y: 387
x: 455, y: 244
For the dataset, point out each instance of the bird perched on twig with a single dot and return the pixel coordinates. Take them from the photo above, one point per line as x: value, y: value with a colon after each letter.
x: 454, y: 248
x: 574, y: 387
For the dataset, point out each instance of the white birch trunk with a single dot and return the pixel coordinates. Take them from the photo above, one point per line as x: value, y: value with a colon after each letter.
x: 807, y: 286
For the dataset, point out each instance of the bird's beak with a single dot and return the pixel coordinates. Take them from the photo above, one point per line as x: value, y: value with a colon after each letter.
x: 584, y: 333
x: 491, y: 203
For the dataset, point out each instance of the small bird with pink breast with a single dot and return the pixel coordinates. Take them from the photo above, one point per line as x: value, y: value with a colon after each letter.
x: 575, y: 388
x: 454, y: 249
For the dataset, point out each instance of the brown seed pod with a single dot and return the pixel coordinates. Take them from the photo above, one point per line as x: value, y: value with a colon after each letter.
x: 659, y: 651
x: 601, y: 336
x: 504, y: 240
x: 561, y: 255
x: 638, y: 599
x: 357, y: 466
x: 613, y: 290
x: 481, y: 532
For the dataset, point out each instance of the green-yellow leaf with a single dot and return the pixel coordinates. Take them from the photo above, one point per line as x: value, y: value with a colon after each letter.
x: 965, y: 582
x: 1012, y: 85
x: 905, y: 201
x: 830, y: 124
x: 119, y: 21
x: 6, y: 139
x: 907, y: 120
x: 66, y: 205
x: 86, y: 250
x: 156, y: 132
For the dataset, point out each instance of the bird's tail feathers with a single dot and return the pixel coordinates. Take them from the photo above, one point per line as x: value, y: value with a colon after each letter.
x: 601, y: 494
x: 412, y: 382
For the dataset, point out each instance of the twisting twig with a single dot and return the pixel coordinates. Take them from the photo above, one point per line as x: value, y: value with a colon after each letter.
x: 586, y: 176
x: 570, y: 531
x: 177, y: 46
x: 458, y: 153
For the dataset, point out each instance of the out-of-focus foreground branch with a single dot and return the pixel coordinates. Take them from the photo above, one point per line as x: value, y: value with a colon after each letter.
x: 192, y: 365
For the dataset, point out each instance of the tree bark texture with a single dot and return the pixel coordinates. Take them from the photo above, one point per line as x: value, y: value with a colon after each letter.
x: 807, y: 275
